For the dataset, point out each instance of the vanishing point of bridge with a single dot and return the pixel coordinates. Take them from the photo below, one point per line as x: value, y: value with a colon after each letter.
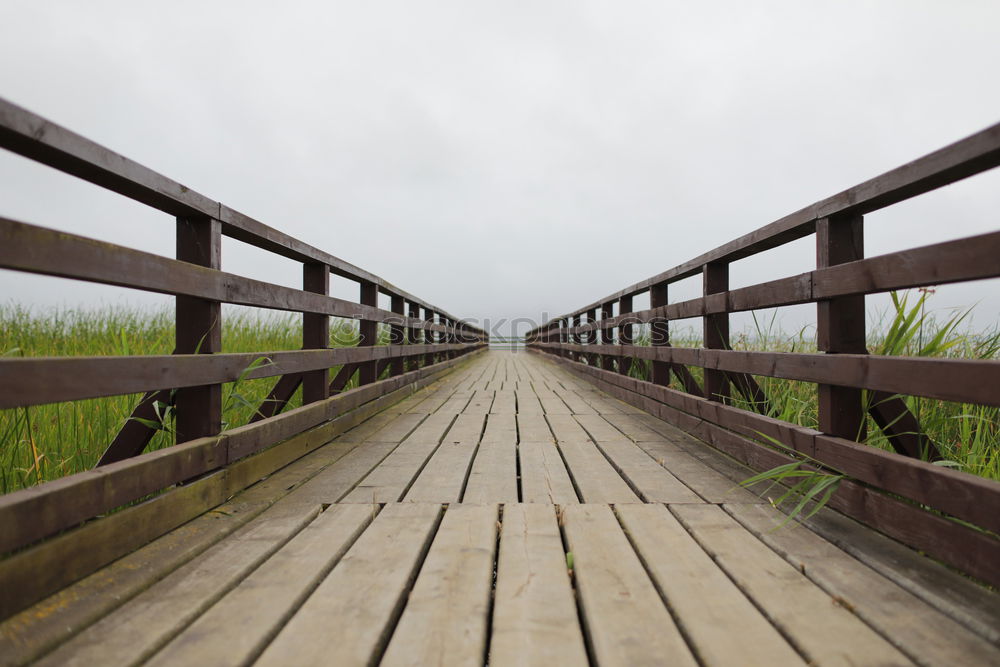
x: 436, y: 502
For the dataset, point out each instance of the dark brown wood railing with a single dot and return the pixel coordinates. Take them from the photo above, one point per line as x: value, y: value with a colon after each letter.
x: 420, y: 349
x: 951, y: 515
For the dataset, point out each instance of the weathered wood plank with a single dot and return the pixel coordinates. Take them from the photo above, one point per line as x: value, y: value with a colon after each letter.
x: 493, y: 478
x: 721, y: 623
x: 447, y: 613
x: 139, y: 628
x: 390, y: 480
x: 626, y: 621
x: 443, y: 477
x: 236, y: 630
x: 535, y: 621
x: 364, y: 592
x: 924, y: 634
x: 29, y: 634
x: 544, y: 478
x: 532, y: 427
x: 793, y: 603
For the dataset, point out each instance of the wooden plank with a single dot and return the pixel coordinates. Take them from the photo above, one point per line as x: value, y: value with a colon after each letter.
x: 500, y: 428
x: 398, y: 428
x: 924, y: 634
x: 955, y: 595
x: 527, y: 402
x: 652, y: 480
x: 553, y: 405
x: 139, y: 628
x: 443, y: 477
x: 447, y: 612
x: 793, y: 603
x: 532, y: 427
x: 504, y: 403
x: 31, y: 514
x: 670, y: 453
x: 544, y: 478
x: 236, y: 629
x: 36, y: 630
x: 963, y: 495
x: 389, y: 481
x: 365, y: 592
x: 596, y: 479
x: 722, y: 625
x: 493, y: 478
x: 626, y: 621
x: 535, y: 620
x: 480, y: 404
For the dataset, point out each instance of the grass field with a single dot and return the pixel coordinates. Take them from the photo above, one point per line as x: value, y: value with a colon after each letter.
x: 968, y: 436
x: 46, y: 442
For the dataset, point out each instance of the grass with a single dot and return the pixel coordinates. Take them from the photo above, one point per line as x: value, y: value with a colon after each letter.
x: 967, y: 435
x: 44, y: 442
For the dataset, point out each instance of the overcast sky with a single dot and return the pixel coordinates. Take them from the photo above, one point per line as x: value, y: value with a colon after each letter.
x: 504, y: 159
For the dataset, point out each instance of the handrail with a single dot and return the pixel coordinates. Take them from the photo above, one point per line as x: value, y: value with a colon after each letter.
x: 43, y: 141
x: 887, y: 490
x: 421, y: 345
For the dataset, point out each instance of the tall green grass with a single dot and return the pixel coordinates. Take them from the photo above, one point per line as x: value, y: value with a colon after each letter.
x: 967, y: 435
x: 40, y: 443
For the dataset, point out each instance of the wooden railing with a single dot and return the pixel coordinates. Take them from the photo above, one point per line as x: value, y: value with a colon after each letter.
x: 424, y: 341
x: 927, y: 506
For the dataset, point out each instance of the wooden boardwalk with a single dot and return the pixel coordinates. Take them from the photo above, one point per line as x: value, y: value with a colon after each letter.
x: 514, y: 514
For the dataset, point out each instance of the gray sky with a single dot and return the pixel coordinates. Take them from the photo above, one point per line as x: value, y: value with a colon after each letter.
x: 504, y: 159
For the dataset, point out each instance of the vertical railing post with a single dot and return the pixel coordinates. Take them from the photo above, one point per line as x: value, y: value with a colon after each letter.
x: 368, y: 330
x: 607, y: 335
x: 397, y: 336
x: 625, y: 334
x: 430, y: 337
x: 315, y: 332
x: 659, y: 333
x: 413, y: 313
x: 715, y: 279
x: 198, y: 330
x: 577, y: 337
x: 840, y: 326
x: 591, y: 337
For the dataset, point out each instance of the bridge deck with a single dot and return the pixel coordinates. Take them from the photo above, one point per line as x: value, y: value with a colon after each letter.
x: 512, y: 512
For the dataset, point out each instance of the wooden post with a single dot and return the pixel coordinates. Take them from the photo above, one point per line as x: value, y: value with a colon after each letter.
x: 429, y: 336
x: 716, y: 328
x: 591, y: 337
x: 199, y: 330
x: 411, y: 335
x: 840, y: 326
x: 397, y: 336
x: 659, y: 333
x: 368, y: 371
x: 625, y: 334
x: 576, y: 338
x: 315, y: 333
x: 607, y: 335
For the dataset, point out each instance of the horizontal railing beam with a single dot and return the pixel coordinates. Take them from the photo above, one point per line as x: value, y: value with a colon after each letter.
x: 968, y: 259
x: 959, y: 380
x: 34, y: 249
x: 966, y: 157
x: 43, y: 141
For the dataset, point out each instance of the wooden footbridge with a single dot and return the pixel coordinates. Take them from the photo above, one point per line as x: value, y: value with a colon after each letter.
x: 467, y: 506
